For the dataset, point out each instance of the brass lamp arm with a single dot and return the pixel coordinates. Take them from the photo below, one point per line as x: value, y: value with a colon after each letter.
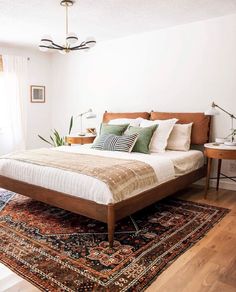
x: 228, y: 113
x: 84, y: 113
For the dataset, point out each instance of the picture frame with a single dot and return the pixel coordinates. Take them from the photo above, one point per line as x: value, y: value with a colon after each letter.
x: 37, y: 94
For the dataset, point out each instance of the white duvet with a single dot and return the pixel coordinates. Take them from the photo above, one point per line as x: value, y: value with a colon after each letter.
x: 87, y: 187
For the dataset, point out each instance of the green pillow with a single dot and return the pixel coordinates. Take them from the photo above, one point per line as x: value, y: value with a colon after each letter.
x: 117, y: 130
x: 144, y: 138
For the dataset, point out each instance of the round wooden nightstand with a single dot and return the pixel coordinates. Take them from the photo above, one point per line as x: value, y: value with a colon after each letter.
x: 75, y: 139
x: 218, y: 151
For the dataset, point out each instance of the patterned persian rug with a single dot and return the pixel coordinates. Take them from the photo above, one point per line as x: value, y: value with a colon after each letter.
x: 60, y: 251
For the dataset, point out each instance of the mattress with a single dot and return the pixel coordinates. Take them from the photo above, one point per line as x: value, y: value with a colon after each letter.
x: 166, y: 165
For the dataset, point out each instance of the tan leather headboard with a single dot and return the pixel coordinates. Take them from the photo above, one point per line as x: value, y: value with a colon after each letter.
x: 201, y: 124
x: 110, y: 116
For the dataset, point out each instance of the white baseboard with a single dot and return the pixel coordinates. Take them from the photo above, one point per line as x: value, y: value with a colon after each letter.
x: 224, y: 184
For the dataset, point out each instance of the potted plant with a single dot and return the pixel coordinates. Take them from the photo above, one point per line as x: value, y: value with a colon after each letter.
x: 56, y: 139
x: 232, y: 141
x: 232, y: 135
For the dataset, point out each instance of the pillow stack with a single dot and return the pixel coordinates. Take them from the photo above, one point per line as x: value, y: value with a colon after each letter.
x: 144, y: 136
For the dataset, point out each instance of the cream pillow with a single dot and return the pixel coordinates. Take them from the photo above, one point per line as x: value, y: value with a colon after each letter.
x: 180, y: 137
x: 160, y: 136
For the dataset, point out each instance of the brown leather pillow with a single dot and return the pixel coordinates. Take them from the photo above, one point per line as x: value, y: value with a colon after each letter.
x: 200, y: 128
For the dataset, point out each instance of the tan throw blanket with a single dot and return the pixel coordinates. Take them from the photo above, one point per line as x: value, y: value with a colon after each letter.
x: 122, y: 176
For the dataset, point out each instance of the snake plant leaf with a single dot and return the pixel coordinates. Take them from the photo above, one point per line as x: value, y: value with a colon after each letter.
x: 45, y: 140
x: 71, y: 124
x: 52, y: 140
x: 57, y: 137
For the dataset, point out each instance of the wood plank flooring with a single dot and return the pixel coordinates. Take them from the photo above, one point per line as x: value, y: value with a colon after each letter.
x: 209, y: 266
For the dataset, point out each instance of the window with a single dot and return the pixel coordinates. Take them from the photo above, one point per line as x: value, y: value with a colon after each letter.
x: 8, y: 100
x: 13, y: 92
x: 10, y: 114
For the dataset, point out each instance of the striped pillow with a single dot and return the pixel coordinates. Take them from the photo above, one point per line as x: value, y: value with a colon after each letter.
x: 111, y: 142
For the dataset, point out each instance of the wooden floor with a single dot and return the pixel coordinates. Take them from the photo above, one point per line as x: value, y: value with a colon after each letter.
x: 210, y: 265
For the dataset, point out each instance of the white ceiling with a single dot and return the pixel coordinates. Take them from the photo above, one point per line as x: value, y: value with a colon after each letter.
x: 25, y: 21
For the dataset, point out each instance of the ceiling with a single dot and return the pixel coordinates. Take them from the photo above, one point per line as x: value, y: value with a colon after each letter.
x: 23, y: 22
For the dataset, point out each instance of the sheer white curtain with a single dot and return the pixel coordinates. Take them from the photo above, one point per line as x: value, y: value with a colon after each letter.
x: 13, y: 101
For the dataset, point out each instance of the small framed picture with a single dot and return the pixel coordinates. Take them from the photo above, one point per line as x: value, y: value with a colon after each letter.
x: 37, y: 94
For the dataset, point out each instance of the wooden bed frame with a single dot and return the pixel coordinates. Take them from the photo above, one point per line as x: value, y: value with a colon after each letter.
x: 113, y: 212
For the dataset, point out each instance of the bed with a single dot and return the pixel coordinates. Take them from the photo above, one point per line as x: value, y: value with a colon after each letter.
x: 97, y: 201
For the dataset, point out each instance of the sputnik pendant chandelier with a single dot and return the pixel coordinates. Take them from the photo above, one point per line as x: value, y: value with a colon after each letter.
x: 71, y: 41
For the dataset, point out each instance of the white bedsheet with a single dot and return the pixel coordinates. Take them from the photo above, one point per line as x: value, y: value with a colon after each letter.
x: 84, y: 186
x: 184, y: 161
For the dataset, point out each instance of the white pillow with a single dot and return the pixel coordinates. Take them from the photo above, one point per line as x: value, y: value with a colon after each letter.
x: 132, y: 122
x: 180, y: 137
x: 160, y: 136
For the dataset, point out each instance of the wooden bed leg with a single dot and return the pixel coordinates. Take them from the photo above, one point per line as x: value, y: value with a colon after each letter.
x: 111, y: 224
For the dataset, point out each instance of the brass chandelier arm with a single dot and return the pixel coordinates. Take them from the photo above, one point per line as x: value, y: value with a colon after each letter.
x: 82, y: 45
x: 64, y: 48
x: 53, y: 48
x: 58, y: 46
x: 79, y: 48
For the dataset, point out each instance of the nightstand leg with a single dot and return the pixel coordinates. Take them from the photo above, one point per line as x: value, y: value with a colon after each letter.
x: 218, y: 174
x: 208, y: 176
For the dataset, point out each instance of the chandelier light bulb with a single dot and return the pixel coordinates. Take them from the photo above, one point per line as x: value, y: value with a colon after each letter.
x: 43, y: 47
x: 86, y: 49
x: 71, y: 38
x: 46, y: 40
x: 90, y: 42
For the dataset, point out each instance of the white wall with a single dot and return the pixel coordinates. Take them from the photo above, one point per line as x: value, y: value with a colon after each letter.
x: 39, y: 119
x: 176, y: 69
x: 183, y: 69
